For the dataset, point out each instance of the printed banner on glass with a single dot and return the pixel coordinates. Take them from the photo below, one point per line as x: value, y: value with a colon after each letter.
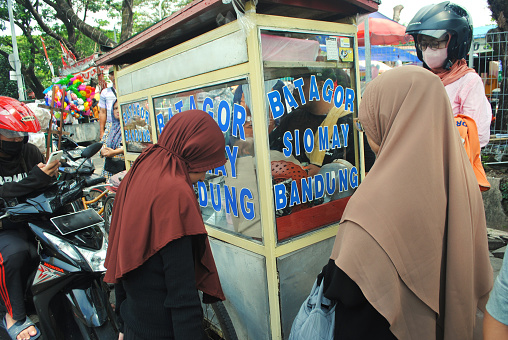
x: 137, y: 125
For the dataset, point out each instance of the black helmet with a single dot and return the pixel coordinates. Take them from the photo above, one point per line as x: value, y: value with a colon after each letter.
x: 445, y: 17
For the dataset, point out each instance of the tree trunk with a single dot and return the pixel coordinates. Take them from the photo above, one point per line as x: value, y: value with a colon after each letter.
x: 28, y: 5
x: 89, y: 31
x: 499, y: 9
x: 32, y: 82
x: 127, y: 16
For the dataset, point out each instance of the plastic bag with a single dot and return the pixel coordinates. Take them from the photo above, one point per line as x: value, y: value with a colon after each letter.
x: 316, y: 318
x: 39, y: 140
x: 43, y: 115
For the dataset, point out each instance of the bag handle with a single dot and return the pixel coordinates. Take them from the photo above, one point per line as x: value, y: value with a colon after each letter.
x: 317, y: 296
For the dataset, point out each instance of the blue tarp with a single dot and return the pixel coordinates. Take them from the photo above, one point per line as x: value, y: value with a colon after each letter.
x: 379, y: 16
x: 480, y: 32
x: 389, y: 53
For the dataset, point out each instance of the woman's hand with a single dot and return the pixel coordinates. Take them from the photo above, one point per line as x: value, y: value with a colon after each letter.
x: 120, y: 336
x: 107, y: 152
x: 50, y: 169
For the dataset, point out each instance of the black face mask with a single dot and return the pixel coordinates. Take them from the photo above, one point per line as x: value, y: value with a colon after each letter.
x: 11, y: 148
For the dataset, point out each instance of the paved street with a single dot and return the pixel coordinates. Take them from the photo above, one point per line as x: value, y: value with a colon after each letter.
x: 98, y: 162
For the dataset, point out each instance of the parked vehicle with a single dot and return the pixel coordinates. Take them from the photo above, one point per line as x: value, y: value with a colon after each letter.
x: 67, y: 289
x: 77, y: 163
x: 73, y: 162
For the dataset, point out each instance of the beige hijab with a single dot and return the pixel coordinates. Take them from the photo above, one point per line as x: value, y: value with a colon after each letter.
x: 413, y: 236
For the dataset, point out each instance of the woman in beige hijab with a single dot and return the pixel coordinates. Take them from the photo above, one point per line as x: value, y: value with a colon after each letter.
x: 411, y: 259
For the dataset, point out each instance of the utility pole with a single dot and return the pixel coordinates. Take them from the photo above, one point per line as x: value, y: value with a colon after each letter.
x: 17, y: 63
x: 368, y: 70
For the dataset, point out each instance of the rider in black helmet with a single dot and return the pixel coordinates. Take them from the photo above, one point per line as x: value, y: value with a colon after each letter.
x: 443, y: 35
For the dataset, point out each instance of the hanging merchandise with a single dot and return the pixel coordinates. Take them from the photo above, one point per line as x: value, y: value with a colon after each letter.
x: 73, y: 95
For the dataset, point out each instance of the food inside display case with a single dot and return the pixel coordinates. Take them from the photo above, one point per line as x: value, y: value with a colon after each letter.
x: 312, y: 144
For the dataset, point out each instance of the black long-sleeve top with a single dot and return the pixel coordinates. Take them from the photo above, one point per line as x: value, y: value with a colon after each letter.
x: 159, y: 299
x: 20, y: 176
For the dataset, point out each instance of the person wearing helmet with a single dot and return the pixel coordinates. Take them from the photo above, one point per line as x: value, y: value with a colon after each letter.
x: 22, y: 171
x: 443, y: 35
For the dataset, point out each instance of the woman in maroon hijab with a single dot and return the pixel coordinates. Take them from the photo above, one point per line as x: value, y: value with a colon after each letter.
x: 159, y: 255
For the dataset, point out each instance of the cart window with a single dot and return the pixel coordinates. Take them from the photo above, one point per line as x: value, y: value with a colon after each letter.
x: 229, y: 196
x: 309, y: 86
x: 137, y: 125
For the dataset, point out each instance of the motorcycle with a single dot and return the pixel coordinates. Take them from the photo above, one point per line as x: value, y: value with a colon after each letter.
x: 74, y: 163
x: 82, y: 167
x: 67, y: 288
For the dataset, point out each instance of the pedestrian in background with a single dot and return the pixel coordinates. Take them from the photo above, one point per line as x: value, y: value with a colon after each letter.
x: 112, y: 149
x: 159, y: 255
x: 443, y: 34
x: 411, y: 257
x: 106, y: 100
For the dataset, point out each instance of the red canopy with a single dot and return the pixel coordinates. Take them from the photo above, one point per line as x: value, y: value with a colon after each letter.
x: 383, y: 32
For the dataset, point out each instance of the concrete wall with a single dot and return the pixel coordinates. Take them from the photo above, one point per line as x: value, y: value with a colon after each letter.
x: 494, y: 212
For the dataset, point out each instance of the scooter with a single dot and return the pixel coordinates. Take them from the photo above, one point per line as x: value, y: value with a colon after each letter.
x: 73, y: 162
x: 67, y: 288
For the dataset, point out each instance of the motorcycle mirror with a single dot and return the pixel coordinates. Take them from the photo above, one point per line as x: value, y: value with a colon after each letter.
x: 68, y: 170
x: 91, y: 150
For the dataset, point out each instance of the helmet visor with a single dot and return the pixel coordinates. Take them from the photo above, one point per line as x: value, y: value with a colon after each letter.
x: 12, y: 134
x: 433, y: 33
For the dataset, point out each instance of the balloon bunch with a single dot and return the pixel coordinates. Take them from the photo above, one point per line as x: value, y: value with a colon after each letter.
x: 72, y: 95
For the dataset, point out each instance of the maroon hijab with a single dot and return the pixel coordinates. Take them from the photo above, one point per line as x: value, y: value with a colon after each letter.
x: 155, y: 203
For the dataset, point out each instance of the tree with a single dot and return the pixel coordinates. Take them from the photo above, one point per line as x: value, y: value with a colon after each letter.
x: 8, y: 87
x: 28, y: 17
x: 127, y: 16
x: 27, y: 49
x: 70, y: 23
x: 153, y: 11
x: 499, y: 9
x: 66, y: 14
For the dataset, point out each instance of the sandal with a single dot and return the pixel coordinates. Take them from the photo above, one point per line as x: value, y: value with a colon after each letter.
x: 20, y: 326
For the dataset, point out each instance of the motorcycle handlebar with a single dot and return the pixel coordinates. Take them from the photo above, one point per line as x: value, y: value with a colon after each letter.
x: 47, y: 202
x: 94, y: 181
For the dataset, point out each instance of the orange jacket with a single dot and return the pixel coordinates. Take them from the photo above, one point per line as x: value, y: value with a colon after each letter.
x: 469, y: 134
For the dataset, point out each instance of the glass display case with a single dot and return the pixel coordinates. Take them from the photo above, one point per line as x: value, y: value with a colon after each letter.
x: 311, y: 101
x: 284, y: 93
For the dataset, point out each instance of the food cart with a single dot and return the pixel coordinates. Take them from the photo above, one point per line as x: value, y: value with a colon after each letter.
x: 271, y: 226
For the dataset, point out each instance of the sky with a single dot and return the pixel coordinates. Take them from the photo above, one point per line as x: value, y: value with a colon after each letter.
x: 478, y: 9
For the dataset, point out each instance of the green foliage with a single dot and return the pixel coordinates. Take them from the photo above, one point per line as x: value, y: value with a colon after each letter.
x: 151, y: 11
x: 146, y: 13
x: 504, y: 189
x: 8, y: 87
